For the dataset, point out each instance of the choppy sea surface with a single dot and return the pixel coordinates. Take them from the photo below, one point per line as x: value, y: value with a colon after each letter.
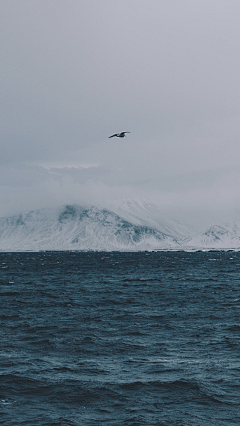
x: 120, y: 338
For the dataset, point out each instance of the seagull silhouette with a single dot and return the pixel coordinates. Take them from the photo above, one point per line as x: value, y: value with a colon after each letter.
x: 119, y: 135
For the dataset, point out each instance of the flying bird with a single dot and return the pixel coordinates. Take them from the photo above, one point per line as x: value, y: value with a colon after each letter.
x: 119, y: 135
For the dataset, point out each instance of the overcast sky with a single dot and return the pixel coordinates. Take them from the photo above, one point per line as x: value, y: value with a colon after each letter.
x: 75, y: 71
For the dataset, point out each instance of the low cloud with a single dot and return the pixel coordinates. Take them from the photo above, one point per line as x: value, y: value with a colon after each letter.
x: 199, y: 199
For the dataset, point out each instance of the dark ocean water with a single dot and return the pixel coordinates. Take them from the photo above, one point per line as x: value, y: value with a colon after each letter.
x: 120, y: 338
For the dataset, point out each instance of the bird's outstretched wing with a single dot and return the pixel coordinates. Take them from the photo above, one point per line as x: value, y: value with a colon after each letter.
x: 113, y: 135
x: 122, y: 134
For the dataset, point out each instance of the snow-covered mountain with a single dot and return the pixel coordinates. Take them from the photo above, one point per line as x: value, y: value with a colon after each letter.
x: 145, y: 213
x: 225, y: 236
x: 127, y: 225
x: 75, y: 227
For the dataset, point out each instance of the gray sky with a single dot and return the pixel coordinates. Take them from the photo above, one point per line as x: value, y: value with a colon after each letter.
x: 75, y: 71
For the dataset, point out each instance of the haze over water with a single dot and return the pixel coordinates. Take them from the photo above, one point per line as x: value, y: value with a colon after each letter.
x: 120, y: 338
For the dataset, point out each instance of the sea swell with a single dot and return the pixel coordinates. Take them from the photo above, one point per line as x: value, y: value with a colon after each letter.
x: 119, y: 339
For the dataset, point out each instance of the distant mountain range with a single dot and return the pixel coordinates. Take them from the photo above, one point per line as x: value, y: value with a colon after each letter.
x: 125, y: 226
x: 225, y: 236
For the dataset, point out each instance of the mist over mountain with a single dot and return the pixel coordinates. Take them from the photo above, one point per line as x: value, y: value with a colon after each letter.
x: 74, y: 75
x: 129, y: 225
x: 146, y: 213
